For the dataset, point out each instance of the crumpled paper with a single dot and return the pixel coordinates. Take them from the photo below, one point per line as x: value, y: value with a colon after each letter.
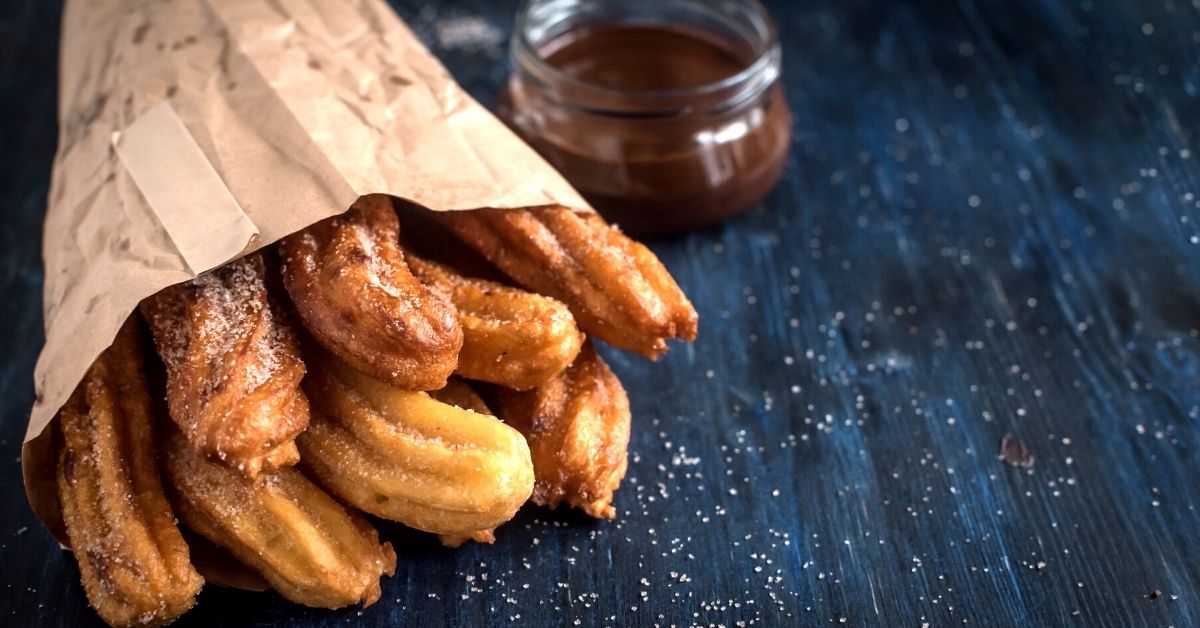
x: 192, y: 132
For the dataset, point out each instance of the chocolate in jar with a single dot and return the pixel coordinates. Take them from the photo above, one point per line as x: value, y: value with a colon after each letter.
x: 661, y: 128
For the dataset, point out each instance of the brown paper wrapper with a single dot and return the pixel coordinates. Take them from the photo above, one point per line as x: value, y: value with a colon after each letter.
x: 192, y: 132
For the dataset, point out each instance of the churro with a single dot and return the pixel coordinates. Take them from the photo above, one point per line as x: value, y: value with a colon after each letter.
x: 617, y: 289
x: 133, y: 561
x: 511, y: 337
x: 356, y: 295
x: 299, y: 539
x: 577, y: 426
x: 233, y: 366
x: 404, y: 456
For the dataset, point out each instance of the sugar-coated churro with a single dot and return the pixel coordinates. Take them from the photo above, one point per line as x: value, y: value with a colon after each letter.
x: 404, y: 456
x: 510, y: 336
x: 577, y: 425
x: 303, y: 542
x: 617, y: 289
x: 233, y: 366
x: 356, y: 295
x: 133, y: 561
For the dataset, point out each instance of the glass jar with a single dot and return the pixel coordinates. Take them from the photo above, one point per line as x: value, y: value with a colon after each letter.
x: 664, y: 114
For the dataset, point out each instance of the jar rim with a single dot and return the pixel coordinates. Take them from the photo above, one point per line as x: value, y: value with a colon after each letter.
x: 726, y: 93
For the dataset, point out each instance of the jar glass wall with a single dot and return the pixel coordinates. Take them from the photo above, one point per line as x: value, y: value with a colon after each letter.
x: 666, y: 115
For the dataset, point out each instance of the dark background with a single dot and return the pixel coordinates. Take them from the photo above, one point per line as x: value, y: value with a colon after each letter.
x: 988, y: 226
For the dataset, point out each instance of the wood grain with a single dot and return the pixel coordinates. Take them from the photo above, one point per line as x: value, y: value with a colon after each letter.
x: 988, y: 226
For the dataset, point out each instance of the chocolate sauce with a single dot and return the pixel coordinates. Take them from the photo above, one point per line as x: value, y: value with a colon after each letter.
x: 643, y: 58
x: 646, y: 122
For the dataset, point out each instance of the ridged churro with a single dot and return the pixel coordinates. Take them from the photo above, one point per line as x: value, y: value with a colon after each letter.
x: 233, y: 366
x: 511, y: 337
x: 356, y: 295
x: 133, y: 561
x: 404, y: 456
x: 577, y: 426
x: 303, y: 542
x: 617, y: 289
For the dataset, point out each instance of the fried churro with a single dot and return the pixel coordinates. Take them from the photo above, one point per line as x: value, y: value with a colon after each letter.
x: 617, y: 289
x: 577, y: 426
x: 356, y: 295
x: 404, y: 456
x: 303, y: 542
x: 511, y: 337
x: 233, y: 366
x: 133, y: 561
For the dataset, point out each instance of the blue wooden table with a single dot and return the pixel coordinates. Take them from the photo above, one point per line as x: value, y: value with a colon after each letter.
x: 989, y: 226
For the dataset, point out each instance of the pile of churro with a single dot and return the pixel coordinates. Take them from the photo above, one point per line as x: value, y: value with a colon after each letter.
x: 337, y: 377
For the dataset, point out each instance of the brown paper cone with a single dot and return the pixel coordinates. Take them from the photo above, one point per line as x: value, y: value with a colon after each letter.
x: 196, y: 131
